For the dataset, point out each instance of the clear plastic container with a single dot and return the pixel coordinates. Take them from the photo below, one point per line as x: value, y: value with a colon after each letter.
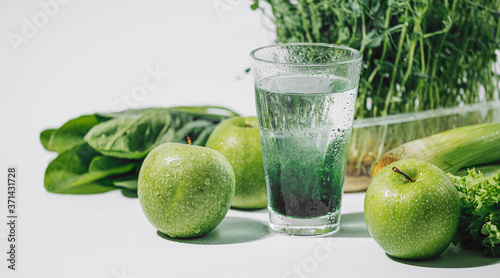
x: 372, y: 137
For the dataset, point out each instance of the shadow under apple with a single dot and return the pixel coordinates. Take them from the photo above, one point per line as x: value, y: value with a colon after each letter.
x: 261, y: 210
x: 454, y: 257
x: 230, y: 231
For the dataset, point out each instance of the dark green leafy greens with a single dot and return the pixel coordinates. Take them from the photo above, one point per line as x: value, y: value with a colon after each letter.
x: 130, y: 183
x: 82, y: 170
x: 192, y: 129
x: 68, y: 135
x: 45, y: 137
x: 131, y: 136
x: 479, y: 226
x: 104, y: 151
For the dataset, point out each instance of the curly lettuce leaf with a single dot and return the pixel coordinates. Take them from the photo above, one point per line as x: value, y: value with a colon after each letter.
x: 480, y: 213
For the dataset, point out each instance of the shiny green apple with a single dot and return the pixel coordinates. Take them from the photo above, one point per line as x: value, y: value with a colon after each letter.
x: 238, y: 140
x: 412, y: 209
x: 185, y: 191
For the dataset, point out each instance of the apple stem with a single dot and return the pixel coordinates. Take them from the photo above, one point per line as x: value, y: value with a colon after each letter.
x: 188, y: 139
x: 396, y: 170
x: 247, y: 125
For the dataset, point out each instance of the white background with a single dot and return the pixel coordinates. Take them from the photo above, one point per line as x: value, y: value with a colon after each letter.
x: 86, y: 56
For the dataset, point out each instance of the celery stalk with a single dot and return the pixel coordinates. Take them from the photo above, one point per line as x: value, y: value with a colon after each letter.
x: 452, y: 149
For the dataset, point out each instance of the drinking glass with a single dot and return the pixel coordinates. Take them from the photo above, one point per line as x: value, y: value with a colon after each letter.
x: 305, y: 95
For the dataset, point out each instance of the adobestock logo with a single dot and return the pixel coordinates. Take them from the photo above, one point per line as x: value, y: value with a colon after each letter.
x: 222, y: 7
x: 139, y: 93
x: 311, y: 263
x: 31, y: 26
x: 122, y: 274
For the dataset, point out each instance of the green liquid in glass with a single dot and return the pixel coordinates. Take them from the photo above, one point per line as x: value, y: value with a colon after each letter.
x: 305, y: 124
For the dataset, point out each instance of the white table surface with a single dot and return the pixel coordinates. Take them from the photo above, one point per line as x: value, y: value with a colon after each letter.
x: 87, y: 57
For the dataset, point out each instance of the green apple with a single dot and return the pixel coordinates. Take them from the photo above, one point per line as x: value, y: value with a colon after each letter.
x: 412, y: 209
x: 185, y: 191
x: 238, y: 140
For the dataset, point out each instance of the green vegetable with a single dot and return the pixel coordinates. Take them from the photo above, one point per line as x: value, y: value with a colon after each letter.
x: 130, y: 193
x: 417, y: 54
x: 131, y: 136
x: 214, y: 113
x: 192, y: 129
x: 452, y: 149
x: 127, y: 182
x: 45, y: 138
x: 68, y: 135
x: 104, y: 151
x: 487, y: 170
x: 479, y: 226
x: 202, y: 138
x: 81, y: 170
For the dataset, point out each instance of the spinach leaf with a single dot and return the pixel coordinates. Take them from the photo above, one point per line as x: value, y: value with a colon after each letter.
x: 129, y: 180
x: 131, y: 136
x: 213, y: 114
x: 46, y: 137
x: 128, y: 183
x: 95, y: 187
x: 81, y: 170
x: 129, y: 193
x: 128, y: 112
x: 201, y: 140
x: 104, y: 151
x: 210, y: 111
x: 192, y: 129
x: 68, y: 135
x: 216, y: 113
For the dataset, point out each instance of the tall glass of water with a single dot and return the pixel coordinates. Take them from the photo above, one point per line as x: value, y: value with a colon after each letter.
x: 305, y: 95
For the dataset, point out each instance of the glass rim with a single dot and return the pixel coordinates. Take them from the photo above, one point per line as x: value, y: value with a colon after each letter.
x: 355, y: 51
